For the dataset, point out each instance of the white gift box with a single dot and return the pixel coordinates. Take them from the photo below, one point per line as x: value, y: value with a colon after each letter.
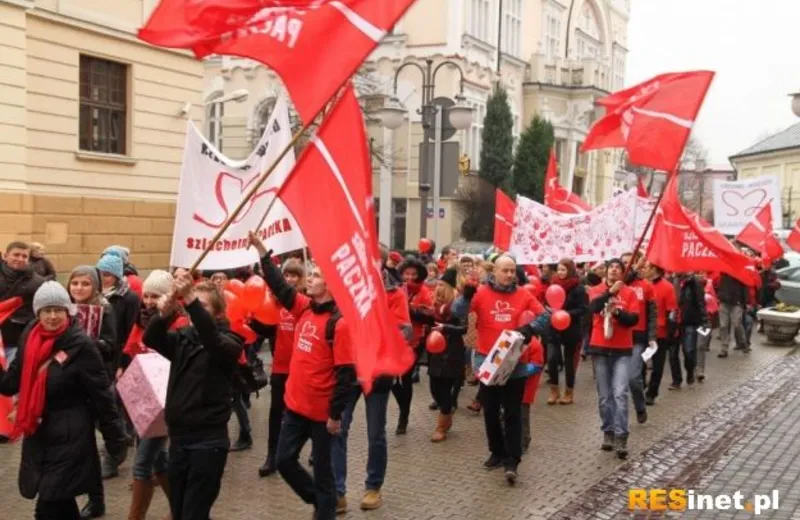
x: 143, y: 390
x: 502, y: 359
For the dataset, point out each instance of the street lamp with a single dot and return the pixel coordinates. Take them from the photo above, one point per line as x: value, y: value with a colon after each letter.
x: 459, y: 115
x: 796, y: 103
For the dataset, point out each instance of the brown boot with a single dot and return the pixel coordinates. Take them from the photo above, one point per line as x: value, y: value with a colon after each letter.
x: 568, y: 398
x: 554, y: 395
x: 440, y: 433
x: 163, y: 481
x: 140, y: 500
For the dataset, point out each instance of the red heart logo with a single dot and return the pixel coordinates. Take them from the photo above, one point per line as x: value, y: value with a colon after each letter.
x: 309, y: 329
x: 502, y: 306
x: 747, y: 204
x: 228, y: 191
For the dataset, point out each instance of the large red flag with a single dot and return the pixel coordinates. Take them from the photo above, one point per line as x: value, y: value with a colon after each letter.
x: 793, y: 240
x: 313, y: 45
x: 333, y: 178
x: 641, y: 189
x: 504, y: 209
x: 757, y: 235
x: 684, y: 242
x: 558, y: 197
x: 652, y: 120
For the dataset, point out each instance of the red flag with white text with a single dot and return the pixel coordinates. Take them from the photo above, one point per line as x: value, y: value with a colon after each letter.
x: 793, y: 240
x: 652, y: 120
x: 757, y: 235
x: 504, y: 209
x: 683, y: 242
x: 313, y: 45
x: 558, y: 197
x: 333, y: 179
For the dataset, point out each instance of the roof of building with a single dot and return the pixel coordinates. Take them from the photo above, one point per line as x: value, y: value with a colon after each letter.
x: 789, y: 138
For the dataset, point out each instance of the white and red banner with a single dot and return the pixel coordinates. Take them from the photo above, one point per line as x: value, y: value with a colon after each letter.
x: 212, y: 186
x: 757, y: 235
x: 737, y: 202
x: 330, y: 194
x: 545, y: 236
x: 313, y: 45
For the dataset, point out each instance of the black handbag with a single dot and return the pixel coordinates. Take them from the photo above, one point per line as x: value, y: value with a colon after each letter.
x: 260, y: 378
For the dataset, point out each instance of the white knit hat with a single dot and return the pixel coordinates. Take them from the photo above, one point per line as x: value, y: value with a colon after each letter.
x: 51, y: 294
x: 158, y: 282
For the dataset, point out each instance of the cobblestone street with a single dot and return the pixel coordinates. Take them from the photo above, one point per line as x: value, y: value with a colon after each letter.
x: 714, y: 436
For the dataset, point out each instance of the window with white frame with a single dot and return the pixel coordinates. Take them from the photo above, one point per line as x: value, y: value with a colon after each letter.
x: 512, y: 27
x: 480, y: 19
x: 588, y: 21
x: 471, y: 138
x: 552, y: 33
x: 215, y: 111
x: 619, y: 68
x: 589, y: 36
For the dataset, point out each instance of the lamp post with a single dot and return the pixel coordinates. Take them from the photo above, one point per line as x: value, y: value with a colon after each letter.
x: 796, y: 103
x: 459, y: 115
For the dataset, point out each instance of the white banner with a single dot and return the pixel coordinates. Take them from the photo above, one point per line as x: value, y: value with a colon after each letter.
x: 544, y: 236
x: 737, y: 202
x: 211, y: 187
x: 644, y: 207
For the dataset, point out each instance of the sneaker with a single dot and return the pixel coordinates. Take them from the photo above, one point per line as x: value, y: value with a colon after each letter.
x: 608, y: 441
x: 722, y: 354
x: 649, y: 400
x: 341, y: 505
x: 433, y: 406
x: 621, y: 447
x: 493, y: 462
x: 511, y: 475
x: 268, y: 468
x: 402, y: 427
x: 747, y: 350
x: 372, y: 500
x: 93, y: 509
x: 690, y: 379
x: 244, y: 442
x: 641, y: 417
x: 674, y: 386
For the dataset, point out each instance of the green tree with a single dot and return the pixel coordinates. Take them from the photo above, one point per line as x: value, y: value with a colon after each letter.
x: 497, y: 140
x: 530, y: 161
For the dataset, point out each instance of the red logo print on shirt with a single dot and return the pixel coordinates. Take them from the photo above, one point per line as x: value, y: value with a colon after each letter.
x: 502, y: 311
x: 308, y: 334
x: 286, y: 320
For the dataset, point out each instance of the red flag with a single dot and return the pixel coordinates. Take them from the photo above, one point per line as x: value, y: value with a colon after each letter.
x: 334, y: 177
x: 313, y: 45
x: 757, y: 235
x: 684, y: 242
x: 793, y: 240
x: 556, y: 196
x: 652, y: 120
x: 641, y: 189
x: 504, y: 209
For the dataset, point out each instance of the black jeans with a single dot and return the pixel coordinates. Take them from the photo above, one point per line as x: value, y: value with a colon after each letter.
x: 276, y: 409
x: 659, y: 360
x: 57, y: 510
x: 687, y: 343
x: 403, y: 391
x: 505, y: 440
x: 443, y: 389
x: 319, y: 490
x: 195, y: 477
x: 555, y: 358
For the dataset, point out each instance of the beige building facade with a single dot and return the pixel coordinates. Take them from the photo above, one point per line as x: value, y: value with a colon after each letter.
x: 557, y: 57
x: 91, y: 131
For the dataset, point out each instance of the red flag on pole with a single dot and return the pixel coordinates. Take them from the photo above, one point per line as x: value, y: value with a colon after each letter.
x: 504, y: 209
x: 556, y: 196
x: 683, y: 242
x: 757, y: 235
x: 313, y: 45
x: 793, y: 240
x: 652, y: 120
x: 334, y: 177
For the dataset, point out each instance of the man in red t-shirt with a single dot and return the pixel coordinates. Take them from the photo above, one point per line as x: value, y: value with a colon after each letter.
x: 499, y: 305
x: 666, y: 325
x: 321, y: 378
x: 615, y: 312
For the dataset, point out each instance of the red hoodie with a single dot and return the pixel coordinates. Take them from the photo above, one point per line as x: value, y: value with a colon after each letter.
x: 284, y: 342
x: 666, y: 302
x: 622, y: 338
x: 498, y: 311
x: 422, y: 299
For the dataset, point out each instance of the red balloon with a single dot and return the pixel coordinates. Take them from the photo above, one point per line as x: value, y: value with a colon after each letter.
x: 268, y: 313
x: 555, y: 296
x: 254, y: 291
x: 235, y: 286
x: 560, y: 320
x: 242, y: 329
x: 425, y: 246
x: 526, y: 317
x: 435, y: 344
x: 234, y: 309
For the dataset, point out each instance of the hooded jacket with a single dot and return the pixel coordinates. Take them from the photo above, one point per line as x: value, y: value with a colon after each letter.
x: 22, y: 283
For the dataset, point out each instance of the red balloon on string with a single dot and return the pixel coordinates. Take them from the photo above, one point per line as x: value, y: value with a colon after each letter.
x: 526, y: 317
x: 243, y: 330
x: 435, y: 344
x: 268, y: 313
x: 234, y: 309
x: 235, y: 286
x: 425, y: 246
x: 555, y: 296
x: 560, y: 320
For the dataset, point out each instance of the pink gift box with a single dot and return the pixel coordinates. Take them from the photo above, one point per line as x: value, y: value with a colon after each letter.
x: 143, y: 390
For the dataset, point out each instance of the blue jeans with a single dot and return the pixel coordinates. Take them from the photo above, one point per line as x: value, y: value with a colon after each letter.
x: 688, y: 342
x: 611, y: 375
x: 376, y: 404
x: 151, y: 457
x: 636, y: 381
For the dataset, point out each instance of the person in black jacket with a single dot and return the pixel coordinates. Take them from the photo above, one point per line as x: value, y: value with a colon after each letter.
x: 203, y: 362
x: 693, y: 315
x: 63, y: 389
x: 17, y: 278
x: 575, y: 304
x: 732, y: 295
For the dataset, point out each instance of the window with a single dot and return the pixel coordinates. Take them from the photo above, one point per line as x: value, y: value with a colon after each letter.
x: 589, y: 36
x: 619, y: 68
x: 103, y: 105
x: 471, y: 140
x: 214, y: 113
x: 399, y: 209
x: 263, y: 113
x: 561, y: 149
x: 480, y: 23
x: 588, y: 22
x: 552, y: 34
x: 512, y: 27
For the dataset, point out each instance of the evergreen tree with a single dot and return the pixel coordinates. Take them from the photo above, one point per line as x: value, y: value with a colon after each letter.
x: 530, y: 161
x: 497, y: 140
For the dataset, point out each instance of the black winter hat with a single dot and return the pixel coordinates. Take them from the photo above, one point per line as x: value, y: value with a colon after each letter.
x: 450, y: 277
x: 414, y: 263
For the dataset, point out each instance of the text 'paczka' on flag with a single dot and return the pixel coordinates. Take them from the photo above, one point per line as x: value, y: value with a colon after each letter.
x: 333, y: 178
x: 313, y: 45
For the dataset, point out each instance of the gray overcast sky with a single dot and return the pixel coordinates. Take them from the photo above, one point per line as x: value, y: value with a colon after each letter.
x: 752, y: 46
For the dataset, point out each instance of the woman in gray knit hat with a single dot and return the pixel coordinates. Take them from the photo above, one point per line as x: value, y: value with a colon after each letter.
x: 63, y: 390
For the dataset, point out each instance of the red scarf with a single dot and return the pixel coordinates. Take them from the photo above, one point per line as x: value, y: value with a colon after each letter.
x: 567, y: 283
x: 32, y: 388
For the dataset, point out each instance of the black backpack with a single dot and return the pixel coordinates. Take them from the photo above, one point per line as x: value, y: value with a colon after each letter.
x: 330, y: 326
